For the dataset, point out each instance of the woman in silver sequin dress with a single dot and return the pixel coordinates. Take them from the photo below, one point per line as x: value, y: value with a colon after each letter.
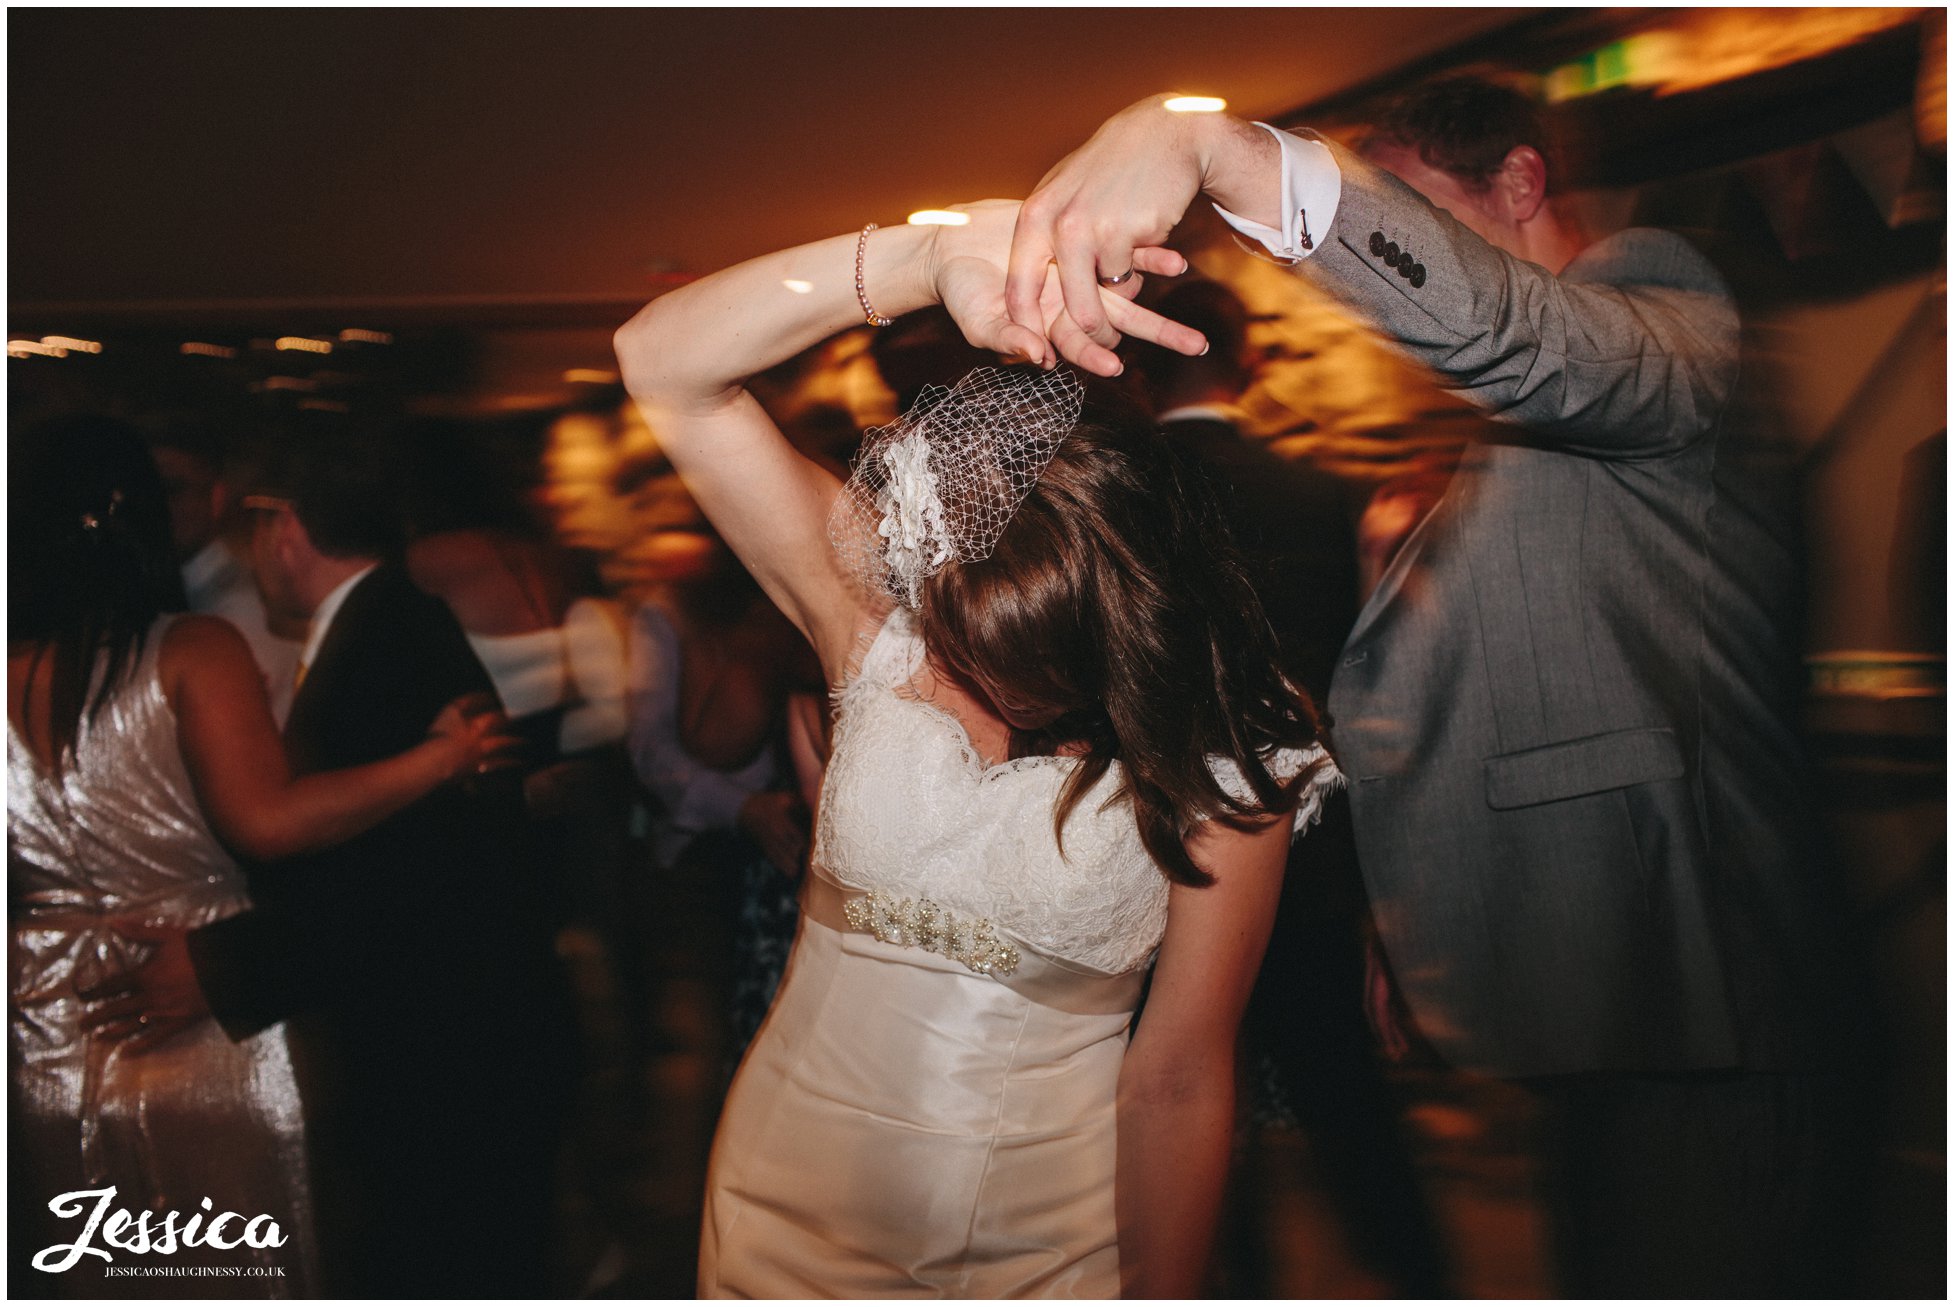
x: 140, y: 752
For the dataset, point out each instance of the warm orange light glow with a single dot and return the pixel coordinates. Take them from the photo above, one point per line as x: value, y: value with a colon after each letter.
x: 938, y: 218
x: 69, y: 342
x: 1196, y: 104
x: 21, y: 349
x: 304, y: 344
x: 594, y: 376
x: 207, y: 351
x: 358, y: 336
x: 1724, y: 44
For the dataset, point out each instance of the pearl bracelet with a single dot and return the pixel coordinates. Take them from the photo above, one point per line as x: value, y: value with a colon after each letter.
x: 861, y: 290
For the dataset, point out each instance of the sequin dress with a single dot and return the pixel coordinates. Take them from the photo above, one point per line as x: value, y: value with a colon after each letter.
x: 120, y: 833
x: 928, y: 1109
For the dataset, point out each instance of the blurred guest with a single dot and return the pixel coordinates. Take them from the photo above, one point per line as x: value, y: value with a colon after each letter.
x: 712, y: 665
x: 557, y: 659
x: 414, y: 963
x: 1306, y: 1017
x: 810, y: 738
x: 140, y: 754
x: 1579, y: 799
x: 213, y: 544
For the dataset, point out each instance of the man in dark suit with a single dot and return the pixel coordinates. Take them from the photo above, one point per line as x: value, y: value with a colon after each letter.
x: 411, y: 963
x: 1566, y: 711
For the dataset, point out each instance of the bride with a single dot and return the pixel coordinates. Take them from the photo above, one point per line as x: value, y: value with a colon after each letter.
x: 1063, y: 752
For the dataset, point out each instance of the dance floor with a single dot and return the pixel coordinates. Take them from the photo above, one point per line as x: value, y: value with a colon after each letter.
x: 633, y: 1171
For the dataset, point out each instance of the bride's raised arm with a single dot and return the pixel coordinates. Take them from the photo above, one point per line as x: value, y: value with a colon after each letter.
x: 686, y: 356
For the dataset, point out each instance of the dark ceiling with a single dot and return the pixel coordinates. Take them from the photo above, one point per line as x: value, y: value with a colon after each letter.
x: 402, y: 156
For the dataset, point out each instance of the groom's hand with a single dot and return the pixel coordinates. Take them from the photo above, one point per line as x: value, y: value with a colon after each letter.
x: 1120, y: 193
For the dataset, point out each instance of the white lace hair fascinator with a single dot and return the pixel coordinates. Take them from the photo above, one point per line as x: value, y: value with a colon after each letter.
x: 938, y: 485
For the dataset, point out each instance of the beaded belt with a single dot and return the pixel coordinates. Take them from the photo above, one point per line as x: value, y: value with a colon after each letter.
x: 922, y: 924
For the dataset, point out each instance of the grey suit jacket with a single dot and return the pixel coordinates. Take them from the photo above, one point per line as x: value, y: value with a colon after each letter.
x: 1566, y: 709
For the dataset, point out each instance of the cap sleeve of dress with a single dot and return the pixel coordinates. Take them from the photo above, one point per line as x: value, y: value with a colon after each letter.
x: 1284, y: 765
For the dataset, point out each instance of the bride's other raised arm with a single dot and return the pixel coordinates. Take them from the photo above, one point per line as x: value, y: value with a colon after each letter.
x: 686, y: 357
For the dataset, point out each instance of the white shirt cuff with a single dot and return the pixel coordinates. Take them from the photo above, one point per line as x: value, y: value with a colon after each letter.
x: 1312, y: 184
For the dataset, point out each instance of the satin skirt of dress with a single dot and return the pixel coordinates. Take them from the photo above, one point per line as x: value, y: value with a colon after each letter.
x: 904, y: 1127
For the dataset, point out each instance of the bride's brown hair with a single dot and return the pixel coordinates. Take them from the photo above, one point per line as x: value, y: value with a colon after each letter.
x: 1116, y: 604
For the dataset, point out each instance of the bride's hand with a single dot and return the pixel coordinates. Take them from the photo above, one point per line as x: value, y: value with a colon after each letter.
x: 968, y: 265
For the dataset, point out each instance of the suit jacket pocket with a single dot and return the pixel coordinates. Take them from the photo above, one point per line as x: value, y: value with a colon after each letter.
x: 1586, y: 766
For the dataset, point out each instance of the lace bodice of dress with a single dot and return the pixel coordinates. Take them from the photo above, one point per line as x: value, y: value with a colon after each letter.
x: 910, y: 810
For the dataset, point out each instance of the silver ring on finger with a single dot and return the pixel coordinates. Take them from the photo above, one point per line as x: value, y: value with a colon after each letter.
x: 1120, y: 280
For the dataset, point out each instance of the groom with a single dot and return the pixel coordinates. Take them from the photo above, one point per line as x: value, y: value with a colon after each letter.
x: 1566, y: 710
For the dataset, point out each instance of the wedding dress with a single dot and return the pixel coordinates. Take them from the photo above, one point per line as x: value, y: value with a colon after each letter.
x: 119, y: 833
x: 929, y: 1108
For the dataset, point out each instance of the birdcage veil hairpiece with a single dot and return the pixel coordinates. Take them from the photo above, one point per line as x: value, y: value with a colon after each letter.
x: 939, y: 484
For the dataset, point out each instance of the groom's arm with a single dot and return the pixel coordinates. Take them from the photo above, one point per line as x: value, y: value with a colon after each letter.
x: 1625, y: 368
x: 1610, y: 370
